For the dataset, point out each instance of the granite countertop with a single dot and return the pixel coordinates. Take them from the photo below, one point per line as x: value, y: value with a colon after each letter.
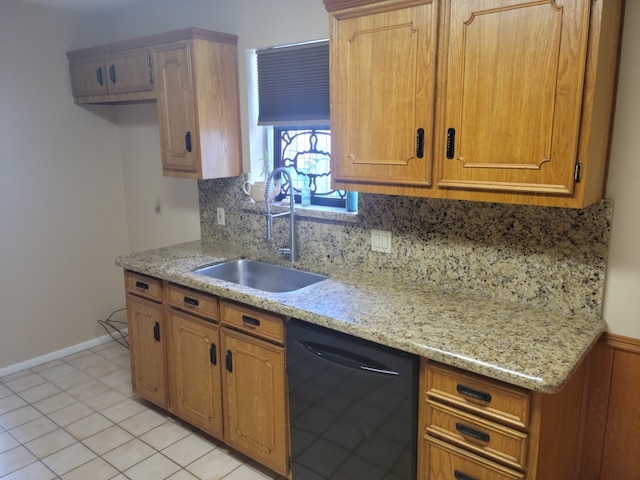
x: 531, y: 347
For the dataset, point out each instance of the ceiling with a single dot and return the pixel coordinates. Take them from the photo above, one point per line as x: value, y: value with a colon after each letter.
x: 95, y: 5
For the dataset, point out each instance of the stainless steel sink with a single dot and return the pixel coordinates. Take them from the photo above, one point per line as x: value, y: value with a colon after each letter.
x: 261, y: 276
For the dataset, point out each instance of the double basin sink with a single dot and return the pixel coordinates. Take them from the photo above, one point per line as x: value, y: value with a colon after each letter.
x: 261, y: 276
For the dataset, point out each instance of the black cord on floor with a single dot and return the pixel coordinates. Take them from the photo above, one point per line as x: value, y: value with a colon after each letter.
x: 113, y: 329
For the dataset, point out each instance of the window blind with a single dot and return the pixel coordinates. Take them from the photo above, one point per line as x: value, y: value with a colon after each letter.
x: 293, y: 84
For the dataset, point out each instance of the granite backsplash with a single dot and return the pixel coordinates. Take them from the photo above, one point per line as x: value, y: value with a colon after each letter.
x: 543, y: 256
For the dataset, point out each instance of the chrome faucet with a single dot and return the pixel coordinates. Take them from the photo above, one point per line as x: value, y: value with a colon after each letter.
x: 292, y: 249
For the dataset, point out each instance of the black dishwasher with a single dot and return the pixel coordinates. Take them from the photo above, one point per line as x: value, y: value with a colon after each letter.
x: 353, y: 407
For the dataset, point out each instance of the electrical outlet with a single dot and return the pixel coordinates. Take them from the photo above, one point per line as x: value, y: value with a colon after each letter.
x: 380, y: 241
x: 220, y: 215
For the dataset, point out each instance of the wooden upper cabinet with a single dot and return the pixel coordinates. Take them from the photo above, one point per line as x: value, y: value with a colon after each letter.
x: 116, y: 77
x: 523, y: 97
x: 198, y: 108
x: 193, y: 76
x: 515, y: 75
x: 383, y: 65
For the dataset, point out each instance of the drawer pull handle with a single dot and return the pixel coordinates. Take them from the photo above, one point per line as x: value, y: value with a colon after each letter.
x: 112, y: 74
x: 473, y: 393
x: 462, y: 476
x: 472, y: 432
x: 252, y: 322
x: 142, y: 286
x: 191, y: 301
x: 187, y: 141
x: 156, y: 332
x: 451, y: 142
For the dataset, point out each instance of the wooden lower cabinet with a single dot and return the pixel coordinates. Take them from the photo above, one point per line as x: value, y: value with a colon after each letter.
x: 255, y: 403
x: 148, y: 365
x: 194, y: 373
x: 475, y: 428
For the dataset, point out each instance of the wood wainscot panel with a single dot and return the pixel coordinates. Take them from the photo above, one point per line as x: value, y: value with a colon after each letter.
x: 611, y: 447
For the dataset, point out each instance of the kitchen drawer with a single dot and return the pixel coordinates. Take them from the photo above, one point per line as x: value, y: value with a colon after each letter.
x: 255, y: 321
x: 143, y: 285
x: 193, y: 301
x: 487, y: 398
x: 484, y: 437
x: 446, y: 462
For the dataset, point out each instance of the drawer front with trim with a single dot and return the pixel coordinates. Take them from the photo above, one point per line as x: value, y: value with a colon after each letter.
x: 446, y: 462
x: 257, y: 322
x: 484, y: 437
x: 484, y: 397
x: 192, y: 301
x: 143, y: 285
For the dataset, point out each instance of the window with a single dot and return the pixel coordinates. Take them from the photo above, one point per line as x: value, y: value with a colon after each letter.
x: 293, y: 98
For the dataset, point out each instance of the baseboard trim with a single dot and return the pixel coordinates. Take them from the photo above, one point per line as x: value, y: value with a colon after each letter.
x: 16, y: 367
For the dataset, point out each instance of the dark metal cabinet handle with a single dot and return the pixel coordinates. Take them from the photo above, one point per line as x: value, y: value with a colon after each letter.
x: 253, y: 322
x: 150, y: 63
x: 213, y: 356
x: 156, y: 332
x: 462, y: 476
x: 473, y: 393
x: 142, y: 286
x: 187, y: 142
x: 420, y: 143
x: 229, y: 361
x: 99, y: 76
x: 472, y: 432
x: 191, y: 301
x: 451, y: 142
x: 112, y: 73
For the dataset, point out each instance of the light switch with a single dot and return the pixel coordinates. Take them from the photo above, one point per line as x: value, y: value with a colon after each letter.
x: 381, y: 241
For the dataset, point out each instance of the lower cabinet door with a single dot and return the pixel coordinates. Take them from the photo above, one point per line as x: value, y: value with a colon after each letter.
x: 146, y: 338
x: 254, y: 397
x: 194, y: 372
x: 446, y: 462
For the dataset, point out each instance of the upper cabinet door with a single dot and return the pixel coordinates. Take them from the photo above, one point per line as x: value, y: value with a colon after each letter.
x: 383, y: 66
x: 88, y: 77
x: 129, y: 71
x: 514, y: 85
x: 176, y: 112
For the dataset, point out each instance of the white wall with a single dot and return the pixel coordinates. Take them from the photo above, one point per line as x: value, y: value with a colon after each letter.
x: 622, y: 291
x: 138, y: 124
x: 62, y: 206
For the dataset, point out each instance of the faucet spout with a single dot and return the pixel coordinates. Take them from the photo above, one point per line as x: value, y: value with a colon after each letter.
x: 291, y: 250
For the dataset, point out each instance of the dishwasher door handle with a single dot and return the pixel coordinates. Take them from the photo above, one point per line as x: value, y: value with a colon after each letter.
x: 345, y: 358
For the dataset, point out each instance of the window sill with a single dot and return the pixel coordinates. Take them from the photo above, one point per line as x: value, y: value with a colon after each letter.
x: 312, y: 212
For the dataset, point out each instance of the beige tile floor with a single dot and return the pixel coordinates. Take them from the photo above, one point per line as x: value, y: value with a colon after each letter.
x: 76, y: 418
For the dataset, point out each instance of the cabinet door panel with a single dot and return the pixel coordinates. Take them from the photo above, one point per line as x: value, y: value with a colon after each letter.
x: 176, y: 115
x: 129, y: 71
x: 195, y: 372
x: 383, y: 91
x: 256, y: 421
x: 148, y: 367
x: 88, y: 77
x: 515, y: 71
